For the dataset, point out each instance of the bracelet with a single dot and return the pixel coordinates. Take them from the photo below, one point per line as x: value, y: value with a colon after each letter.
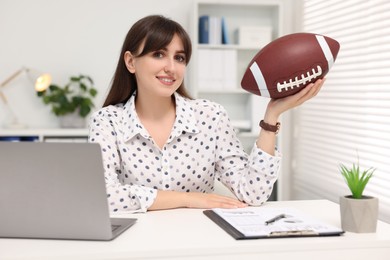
x: 270, y: 128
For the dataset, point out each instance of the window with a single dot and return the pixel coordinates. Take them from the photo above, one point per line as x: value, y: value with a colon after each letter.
x: 350, y: 117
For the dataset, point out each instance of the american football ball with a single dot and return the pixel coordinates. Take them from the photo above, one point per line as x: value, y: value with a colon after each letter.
x: 288, y: 64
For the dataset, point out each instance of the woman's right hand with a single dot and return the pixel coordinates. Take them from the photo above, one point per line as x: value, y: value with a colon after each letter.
x: 176, y: 199
x: 211, y: 200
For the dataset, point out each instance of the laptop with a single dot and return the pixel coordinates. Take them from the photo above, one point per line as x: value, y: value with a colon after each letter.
x: 55, y: 191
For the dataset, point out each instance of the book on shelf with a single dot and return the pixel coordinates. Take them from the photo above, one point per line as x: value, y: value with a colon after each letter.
x: 211, y: 30
x: 19, y: 138
x: 204, y: 29
x: 225, y: 35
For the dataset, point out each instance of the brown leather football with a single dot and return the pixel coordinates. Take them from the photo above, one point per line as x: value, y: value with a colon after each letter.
x: 288, y: 64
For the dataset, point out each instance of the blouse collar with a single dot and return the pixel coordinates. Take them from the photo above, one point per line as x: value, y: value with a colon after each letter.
x: 185, y: 121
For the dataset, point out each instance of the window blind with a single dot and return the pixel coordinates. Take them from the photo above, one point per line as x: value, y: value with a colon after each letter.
x: 350, y: 117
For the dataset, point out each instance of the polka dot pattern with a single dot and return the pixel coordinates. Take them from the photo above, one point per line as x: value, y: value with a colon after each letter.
x: 202, y: 147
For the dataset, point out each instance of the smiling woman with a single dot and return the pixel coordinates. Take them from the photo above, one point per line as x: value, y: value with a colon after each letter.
x: 162, y: 149
x: 167, y: 66
x: 148, y: 37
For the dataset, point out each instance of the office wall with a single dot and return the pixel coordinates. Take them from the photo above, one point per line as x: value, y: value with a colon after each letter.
x: 69, y: 37
x: 66, y: 38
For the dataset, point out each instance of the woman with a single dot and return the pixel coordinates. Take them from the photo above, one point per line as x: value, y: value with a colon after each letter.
x: 162, y: 149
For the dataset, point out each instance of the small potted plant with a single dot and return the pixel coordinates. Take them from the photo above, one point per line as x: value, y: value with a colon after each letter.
x: 359, y: 213
x: 72, y: 102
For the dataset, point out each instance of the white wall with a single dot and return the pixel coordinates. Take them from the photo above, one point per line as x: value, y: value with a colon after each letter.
x: 69, y: 37
x: 65, y: 38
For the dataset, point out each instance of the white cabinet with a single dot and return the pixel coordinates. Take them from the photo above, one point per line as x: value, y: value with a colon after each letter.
x: 231, y: 59
x: 44, y: 135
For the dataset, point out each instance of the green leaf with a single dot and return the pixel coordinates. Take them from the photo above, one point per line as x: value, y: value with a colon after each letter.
x: 93, y: 92
x: 53, y: 87
x: 83, y: 86
x: 356, y: 179
x: 75, y: 79
x: 90, y: 80
x: 46, y: 99
x: 77, y: 100
x: 84, y: 110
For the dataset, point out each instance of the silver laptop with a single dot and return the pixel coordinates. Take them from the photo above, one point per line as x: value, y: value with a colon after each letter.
x: 56, y: 191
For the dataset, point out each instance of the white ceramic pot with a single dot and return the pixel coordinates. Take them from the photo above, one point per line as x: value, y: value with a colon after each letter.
x: 73, y: 120
x: 359, y: 215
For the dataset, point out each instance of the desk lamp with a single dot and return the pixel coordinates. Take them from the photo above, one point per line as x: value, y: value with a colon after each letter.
x: 41, y: 82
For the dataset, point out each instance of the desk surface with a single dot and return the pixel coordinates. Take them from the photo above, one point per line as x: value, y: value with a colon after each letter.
x: 188, y: 233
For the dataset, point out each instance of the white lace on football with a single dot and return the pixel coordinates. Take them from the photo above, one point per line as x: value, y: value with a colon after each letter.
x: 297, y: 82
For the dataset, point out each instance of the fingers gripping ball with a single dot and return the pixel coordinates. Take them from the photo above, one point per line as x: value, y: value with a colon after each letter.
x: 288, y: 64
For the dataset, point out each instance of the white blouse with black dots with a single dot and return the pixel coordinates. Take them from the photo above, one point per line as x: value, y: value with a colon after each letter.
x: 202, y: 147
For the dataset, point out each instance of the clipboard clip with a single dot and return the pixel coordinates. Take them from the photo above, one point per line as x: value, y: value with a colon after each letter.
x: 293, y: 233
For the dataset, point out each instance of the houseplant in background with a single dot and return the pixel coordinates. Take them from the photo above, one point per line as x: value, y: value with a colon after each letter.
x: 71, y: 103
x: 359, y: 213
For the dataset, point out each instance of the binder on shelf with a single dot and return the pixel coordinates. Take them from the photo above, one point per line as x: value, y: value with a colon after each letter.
x: 242, y: 125
x: 257, y: 106
x: 253, y: 36
x: 229, y: 63
x: 261, y: 222
x: 215, y: 33
x: 204, y: 67
x: 216, y: 72
x: 210, y: 30
x: 217, y: 69
x: 225, y: 35
x: 204, y: 28
x: 65, y: 139
x: 19, y: 138
x: 10, y: 138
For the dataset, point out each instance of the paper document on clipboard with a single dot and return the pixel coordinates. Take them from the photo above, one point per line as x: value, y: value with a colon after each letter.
x: 260, y: 222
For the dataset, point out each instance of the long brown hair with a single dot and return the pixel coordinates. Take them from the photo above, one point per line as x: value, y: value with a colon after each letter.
x: 156, y: 32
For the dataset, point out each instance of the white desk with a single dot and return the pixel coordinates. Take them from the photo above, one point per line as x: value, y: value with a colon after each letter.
x: 187, y: 233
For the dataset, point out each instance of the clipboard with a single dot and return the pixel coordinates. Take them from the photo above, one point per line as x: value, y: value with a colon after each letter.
x: 251, y: 223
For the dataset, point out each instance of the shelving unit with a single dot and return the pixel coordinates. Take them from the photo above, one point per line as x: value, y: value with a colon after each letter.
x: 244, y: 109
x: 44, y: 135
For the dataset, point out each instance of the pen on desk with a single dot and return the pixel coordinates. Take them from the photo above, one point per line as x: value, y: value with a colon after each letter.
x: 274, y: 219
